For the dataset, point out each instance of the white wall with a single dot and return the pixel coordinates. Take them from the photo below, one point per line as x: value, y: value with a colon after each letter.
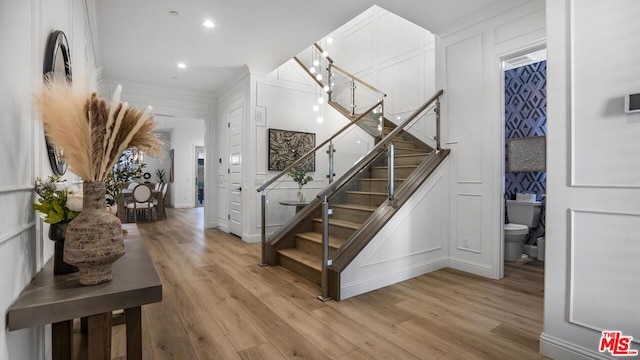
x: 395, y: 56
x: 468, y: 69
x: 412, y: 243
x: 593, y: 216
x: 183, y: 143
x: 24, y: 246
x: 161, y: 162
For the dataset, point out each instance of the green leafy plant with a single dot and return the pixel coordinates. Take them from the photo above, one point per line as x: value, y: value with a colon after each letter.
x: 160, y: 173
x: 126, y: 170
x: 299, y: 175
x: 53, y: 200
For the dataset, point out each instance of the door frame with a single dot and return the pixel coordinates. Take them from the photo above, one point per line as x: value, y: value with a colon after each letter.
x: 197, y: 148
x: 502, y: 58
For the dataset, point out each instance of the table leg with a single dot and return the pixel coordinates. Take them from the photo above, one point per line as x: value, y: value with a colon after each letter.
x: 133, y: 319
x: 61, y: 340
x: 99, y: 344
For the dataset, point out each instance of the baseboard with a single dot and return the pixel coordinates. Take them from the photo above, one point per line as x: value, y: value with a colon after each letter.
x: 555, y: 348
x: 252, y: 238
x: 223, y: 227
x: 471, y: 267
x: 361, y: 287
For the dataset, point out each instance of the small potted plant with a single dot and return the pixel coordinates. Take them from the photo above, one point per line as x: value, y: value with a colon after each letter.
x: 299, y: 175
x: 60, y: 206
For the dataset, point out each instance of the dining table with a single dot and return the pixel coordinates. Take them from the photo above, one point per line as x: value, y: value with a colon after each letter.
x: 127, y: 194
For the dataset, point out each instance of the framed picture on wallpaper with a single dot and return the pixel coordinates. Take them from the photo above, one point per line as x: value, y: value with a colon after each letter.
x: 527, y: 154
x: 286, y: 146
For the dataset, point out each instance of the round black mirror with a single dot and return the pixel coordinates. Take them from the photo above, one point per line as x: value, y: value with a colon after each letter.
x: 57, y: 62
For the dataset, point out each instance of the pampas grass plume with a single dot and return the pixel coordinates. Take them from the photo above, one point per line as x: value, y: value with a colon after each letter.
x: 93, y: 133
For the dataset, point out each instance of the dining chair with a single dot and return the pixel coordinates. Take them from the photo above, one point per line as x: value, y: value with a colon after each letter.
x: 163, y: 190
x: 142, y: 202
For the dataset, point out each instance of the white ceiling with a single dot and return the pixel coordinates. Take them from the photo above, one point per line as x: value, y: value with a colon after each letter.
x: 141, y: 42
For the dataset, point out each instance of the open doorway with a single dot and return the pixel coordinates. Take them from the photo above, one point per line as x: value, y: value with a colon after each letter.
x: 524, y: 80
x: 199, y: 177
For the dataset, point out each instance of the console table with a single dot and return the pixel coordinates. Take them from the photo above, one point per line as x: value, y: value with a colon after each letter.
x: 59, y: 299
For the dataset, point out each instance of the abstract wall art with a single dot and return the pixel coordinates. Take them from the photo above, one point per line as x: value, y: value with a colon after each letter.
x: 286, y: 146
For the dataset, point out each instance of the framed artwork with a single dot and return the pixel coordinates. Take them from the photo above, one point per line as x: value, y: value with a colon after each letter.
x: 527, y: 154
x: 286, y: 146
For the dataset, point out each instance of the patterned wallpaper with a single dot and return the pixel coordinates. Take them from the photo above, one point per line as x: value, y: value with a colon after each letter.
x: 526, y: 115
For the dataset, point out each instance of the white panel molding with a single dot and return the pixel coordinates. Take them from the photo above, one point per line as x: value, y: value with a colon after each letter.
x: 261, y: 115
x: 555, y: 348
x: 252, y: 239
x: 467, y: 223
x: 356, y: 288
x: 519, y: 27
x: 593, y: 320
x: 472, y: 267
x: 16, y: 188
x: 14, y: 233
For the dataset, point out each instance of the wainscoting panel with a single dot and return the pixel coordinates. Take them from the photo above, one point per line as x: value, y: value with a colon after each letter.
x: 410, y: 244
x: 399, y: 82
x: 464, y: 88
x: 604, y: 260
x: 389, y: 43
x: 527, y: 24
x: 605, y: 139
x: 469, y: 226
x: 358, y: 49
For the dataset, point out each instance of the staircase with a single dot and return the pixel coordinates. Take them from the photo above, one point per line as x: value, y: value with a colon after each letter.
x: 360, y: 201
x: 305, y: 258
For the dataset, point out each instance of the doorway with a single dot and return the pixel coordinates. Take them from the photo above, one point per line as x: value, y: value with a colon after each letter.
x: 235, y: 169
x: 524, y: 79
x: 199, y: 176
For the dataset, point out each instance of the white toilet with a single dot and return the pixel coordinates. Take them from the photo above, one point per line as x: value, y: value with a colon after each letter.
x: 523, y: 214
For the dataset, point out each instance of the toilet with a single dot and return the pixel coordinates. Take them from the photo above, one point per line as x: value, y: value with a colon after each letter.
x: 524, y: 214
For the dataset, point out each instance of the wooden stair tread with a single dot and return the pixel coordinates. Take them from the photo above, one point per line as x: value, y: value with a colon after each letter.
x: 366, y: 193
x: 410, y: 155
x: 397, y: 166
x: 302, y: 257
x: 341, y: 223
x: 379, y: 179
x: 355, y: 207
x: 334, y: 242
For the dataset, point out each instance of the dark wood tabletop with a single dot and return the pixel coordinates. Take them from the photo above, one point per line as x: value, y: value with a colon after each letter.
x: 50, y: 299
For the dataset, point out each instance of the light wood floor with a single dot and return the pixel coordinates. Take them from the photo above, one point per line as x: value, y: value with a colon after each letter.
x: 219, y: 304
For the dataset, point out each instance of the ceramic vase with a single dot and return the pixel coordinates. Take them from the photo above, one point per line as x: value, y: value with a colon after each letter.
x: 94, y: 239
x: 57, y: 234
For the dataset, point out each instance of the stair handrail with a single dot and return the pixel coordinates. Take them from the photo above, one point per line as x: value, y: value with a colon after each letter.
x: 360, y: 165
x: 348, y: 74
x: 314, y: 150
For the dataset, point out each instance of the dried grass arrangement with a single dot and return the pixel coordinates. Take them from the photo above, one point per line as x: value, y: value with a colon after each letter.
x: 92, y: 133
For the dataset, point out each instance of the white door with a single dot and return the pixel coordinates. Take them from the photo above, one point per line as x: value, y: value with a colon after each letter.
x: 235, y: 170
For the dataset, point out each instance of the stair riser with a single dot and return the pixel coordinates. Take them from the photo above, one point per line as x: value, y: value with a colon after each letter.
x: 312, y: 247
x: 407, y: 160
x: 403, y: 151
x: 382, y: 173
x: 337, y: 231
x: 356, y: 216
x: 405, y: 145
x: 308, y: 273
x: 375, y: 186
x: 365, y: 199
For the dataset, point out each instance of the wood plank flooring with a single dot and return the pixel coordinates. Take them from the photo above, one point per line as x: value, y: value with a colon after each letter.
x: 219, y: 304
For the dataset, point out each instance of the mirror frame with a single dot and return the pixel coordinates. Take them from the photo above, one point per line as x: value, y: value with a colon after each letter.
x: 57, y: 45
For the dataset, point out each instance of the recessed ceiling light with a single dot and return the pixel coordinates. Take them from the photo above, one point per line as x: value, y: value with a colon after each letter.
x: 208, y: 24
x: 174, y: 13
x: 182, y: 65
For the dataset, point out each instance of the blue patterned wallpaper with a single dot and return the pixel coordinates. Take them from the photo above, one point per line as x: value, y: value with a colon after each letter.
x: 526, y: 115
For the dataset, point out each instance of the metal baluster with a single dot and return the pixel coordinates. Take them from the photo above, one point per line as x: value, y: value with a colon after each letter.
x: 391, y: 152
x: 437, y: 111
x: 325, y: 250
x: 330, y: 153
x: 353, y: 96
x: 263, y: 231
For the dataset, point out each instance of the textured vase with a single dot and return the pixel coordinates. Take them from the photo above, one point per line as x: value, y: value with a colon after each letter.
x: 94, y: 238
x: 57, y: 234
